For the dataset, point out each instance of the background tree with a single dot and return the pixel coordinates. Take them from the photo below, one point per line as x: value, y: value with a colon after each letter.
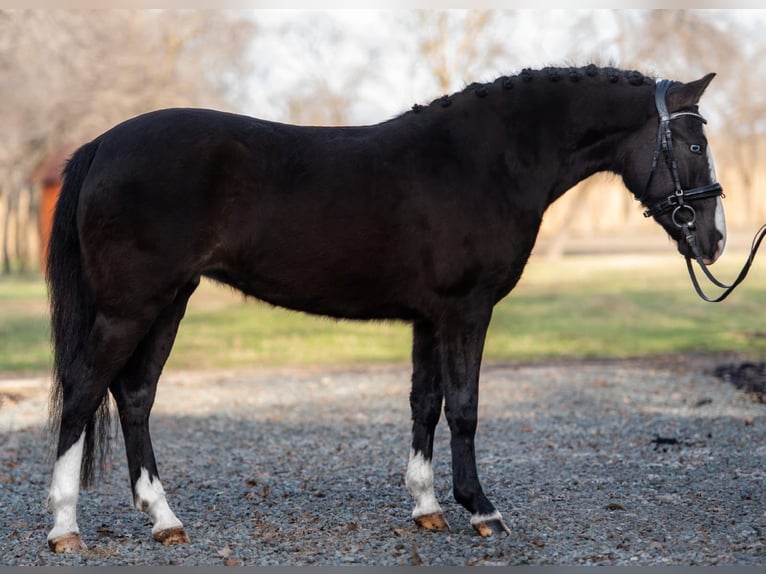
x: 455, y: 46
x: 68, y: 75
x: 684, y: 45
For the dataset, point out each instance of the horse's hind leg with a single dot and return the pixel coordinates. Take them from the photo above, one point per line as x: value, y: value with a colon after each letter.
x: 426, y: 404
x: 134, y: 391
x: 84, y: 383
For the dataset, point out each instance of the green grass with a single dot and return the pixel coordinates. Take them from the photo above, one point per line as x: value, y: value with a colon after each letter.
x: 239, y: 333
x: 574, y: 307
x: 24, y: 328
x: 589, y: 307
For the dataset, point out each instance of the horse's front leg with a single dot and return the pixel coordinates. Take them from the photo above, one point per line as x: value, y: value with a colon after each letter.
x: 461, y: 343
x: 426, y: 402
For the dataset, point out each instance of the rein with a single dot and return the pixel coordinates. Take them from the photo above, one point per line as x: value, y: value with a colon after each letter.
x: 692, y: 241
x: 678, y: 204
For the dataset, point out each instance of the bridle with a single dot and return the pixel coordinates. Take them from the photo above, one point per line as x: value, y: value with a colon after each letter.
x: 679, y: 201
x: 678, y: 204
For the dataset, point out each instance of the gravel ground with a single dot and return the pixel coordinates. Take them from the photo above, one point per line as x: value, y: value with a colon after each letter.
x: 595, y: 462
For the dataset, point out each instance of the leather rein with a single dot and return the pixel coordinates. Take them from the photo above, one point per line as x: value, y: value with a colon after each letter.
x: 679, y: 203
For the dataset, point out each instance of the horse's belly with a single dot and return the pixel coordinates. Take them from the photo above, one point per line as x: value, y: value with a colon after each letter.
x: 339, y: 295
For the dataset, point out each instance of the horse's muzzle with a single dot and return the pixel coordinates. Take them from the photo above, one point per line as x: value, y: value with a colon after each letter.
x: 716, y: 255
x: 706, y: 249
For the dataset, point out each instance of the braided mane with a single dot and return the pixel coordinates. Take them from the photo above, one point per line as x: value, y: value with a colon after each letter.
x: 549, y: 74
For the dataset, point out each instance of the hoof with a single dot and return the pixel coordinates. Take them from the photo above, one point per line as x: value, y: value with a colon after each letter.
x: 493, y: 527
x: 171, y: 536
x: 67, y: 543
x: 433, y: 521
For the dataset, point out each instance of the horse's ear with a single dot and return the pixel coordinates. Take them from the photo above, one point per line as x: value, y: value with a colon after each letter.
x: 687, y: 95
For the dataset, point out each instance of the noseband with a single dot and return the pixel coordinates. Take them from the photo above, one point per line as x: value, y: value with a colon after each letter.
x: 678, y: 204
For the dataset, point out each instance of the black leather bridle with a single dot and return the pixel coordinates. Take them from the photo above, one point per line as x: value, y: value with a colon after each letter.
x: 679, y: 203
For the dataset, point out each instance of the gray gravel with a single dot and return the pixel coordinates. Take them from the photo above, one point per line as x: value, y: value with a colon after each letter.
x: 306, y: 467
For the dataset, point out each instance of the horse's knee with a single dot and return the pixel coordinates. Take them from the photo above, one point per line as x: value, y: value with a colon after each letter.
x: 426, y: 409
x: 462, y: 424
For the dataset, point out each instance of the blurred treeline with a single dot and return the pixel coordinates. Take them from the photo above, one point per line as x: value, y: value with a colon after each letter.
x: 67, y: 75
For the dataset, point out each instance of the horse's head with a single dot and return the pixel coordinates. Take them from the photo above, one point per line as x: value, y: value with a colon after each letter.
x: 670, y: 170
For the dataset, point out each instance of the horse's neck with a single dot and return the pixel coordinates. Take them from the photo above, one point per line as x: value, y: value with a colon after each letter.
x: 537, y: 140
x: 591, y: 135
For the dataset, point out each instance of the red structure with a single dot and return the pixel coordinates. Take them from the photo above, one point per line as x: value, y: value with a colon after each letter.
x: 48, y: 175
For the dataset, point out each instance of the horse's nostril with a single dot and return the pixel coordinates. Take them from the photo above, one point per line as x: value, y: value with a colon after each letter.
x: 716, y: 254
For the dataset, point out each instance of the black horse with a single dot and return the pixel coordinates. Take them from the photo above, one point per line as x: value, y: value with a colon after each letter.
x: 427, y: 218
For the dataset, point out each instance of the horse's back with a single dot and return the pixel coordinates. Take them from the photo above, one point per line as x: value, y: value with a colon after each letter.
x: 288, y: 214
x: 356, y: 222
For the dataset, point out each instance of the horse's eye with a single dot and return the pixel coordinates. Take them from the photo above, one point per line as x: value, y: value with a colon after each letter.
x: 695, y: 148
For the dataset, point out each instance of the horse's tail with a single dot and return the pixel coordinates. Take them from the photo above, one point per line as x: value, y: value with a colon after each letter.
x: 72, y: 310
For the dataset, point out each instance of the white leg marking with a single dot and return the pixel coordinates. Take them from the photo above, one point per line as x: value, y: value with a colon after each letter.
x: 420, y: 483
x: 65, y: 488
x: 479, y: 518
x: 149, y: 496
